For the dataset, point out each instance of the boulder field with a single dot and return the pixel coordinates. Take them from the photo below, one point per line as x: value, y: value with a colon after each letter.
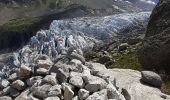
x: 72, y: 78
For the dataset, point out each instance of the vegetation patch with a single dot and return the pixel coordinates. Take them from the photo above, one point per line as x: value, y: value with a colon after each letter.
x: 19, y: 25
x: 166, y: 87
x: 55, y: 4
x: 127, y: 59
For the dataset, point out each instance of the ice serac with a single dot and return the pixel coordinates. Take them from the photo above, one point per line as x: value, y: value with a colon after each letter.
x: 85, y: 32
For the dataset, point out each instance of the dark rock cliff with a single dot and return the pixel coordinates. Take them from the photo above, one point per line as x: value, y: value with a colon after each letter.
x: 155, y: 51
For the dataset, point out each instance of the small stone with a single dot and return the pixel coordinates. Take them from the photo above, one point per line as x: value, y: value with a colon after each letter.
x: 13, y: 77
x: 23, y: 95
x: 74, y: 55
x: 25, y: 72
x: 77, y: 81
x: 64, y: 85
x: 94, y: 84
x: 4, y: 83
x: 41, y: 92
x: 13, y: 92
x: 41, y: 71
x: 151, y: 78
x: 51, y: 79
x: 123, y: 46
x: 96, y: 67
x: 75, y: 98
x: 18, y: 84
x: 83, y: 94
x: 72, y: 74
x: 44, y: 64
x: 52, y: 98
x: 33, y: 80
x: 68, y: 93
x: 55, y: 91
x: 101, y: 95
x: 62, y: 76
x: 5, y: 98
x: 112, y: 92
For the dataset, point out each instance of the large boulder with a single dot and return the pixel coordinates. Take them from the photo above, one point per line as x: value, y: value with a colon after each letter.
x: 151, y: 78
x: 155, y: 51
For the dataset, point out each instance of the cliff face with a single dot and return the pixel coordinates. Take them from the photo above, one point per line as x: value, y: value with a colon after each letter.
x: 155, y: 52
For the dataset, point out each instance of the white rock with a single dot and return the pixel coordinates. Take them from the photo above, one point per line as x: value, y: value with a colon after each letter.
x: 50, y: 79
x: 41, y: 71
x: 83, y: 94
x: 55, y: 91
x: 101, y: 95
x: 94, y: 84
x: 68, y: 93
x: 77, y: 81
x: 52, y: 98
x: 96, y: 67
x: 112, y: 92
x: 4, y: 83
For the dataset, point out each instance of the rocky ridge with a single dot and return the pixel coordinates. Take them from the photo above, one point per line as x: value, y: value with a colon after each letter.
x: 72, y: 78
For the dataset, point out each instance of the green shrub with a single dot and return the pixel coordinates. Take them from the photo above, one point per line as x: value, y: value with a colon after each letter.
x: 19, y: 25
x: 55, y: 3
x: 128, y: 59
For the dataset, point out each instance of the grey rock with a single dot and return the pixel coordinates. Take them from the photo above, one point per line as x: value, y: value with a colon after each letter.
x: 50, y: 79
x: 112, y: 92
x: 64, y: 85
x: 123, y: 46
x: 68, y: 93
x: 62, y: 76
x: 10, y: 91
x: 44, y: 64
x: 55, y: 91
x: 94, y: 84
x: 83, y: 94
x: 126, y: 94
x: 151, y: 78
x: 74, y: 55
x: 52, y: 98
x: 13, y: 92
x: 41, y: 71
x: 13, y: 77
x: 25, y: 71
x: 4, y: 83
x: 5, y: 98
x: 41, y: 92
x: 59, y: 65
x: 23, y: 95
x: 96, y: 67
x: 75, y: 98
x: 19, y: 85
x: 154, y: 52
x: 72, y: 74
x: 33, y: 80
x: 77, y: 81
x: 101, y: 95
